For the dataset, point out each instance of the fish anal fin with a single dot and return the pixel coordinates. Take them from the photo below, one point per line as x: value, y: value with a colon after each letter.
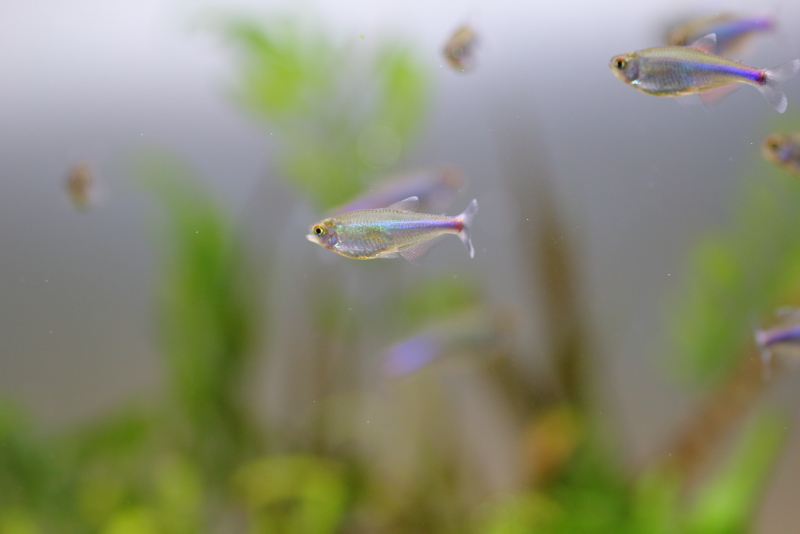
x: 687, y: 101
x: 712, y: 97
x: 707, y: 44
x: 409, y: 204
x: 415, y: 253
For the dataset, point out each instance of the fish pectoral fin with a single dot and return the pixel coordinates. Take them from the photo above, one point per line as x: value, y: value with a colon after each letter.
x: 707, y: 44
x: 712, y: 97
x: 415, y: 253
x: 409, y: 204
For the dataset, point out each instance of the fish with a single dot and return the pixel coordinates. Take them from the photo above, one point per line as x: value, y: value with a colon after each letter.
x: 783, y: 149
x: 460, y: 49
x: 397, y: 230
x: 685, y: 70
x: 732, y: 31
x: 783, y: 339
x: 80, y: 186
x: 435, y: 189
x: 472, y: 332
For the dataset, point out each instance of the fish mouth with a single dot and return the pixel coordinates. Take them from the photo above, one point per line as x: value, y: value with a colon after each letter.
x: 312, y: 238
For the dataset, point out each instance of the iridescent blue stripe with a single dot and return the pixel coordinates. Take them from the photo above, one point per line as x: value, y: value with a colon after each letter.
x: 749, y: 74
x: 783, y: 336
x: 413, y: 225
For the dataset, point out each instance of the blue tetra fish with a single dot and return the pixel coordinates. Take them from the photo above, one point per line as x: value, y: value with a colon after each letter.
x: 783, y: 338
x: 391, y: 232
x: 684, y: 70
x: 732, y: 31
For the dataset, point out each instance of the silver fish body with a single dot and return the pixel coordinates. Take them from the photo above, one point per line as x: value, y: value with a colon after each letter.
x: 390, y: 232
x: 682, y: 70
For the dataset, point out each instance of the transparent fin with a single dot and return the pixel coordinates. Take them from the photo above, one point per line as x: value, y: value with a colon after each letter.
x: 688, y: 101
x: 466, y: 225
x: 712, y: 97
x: 409, y: 204
x: 707, y: 44
x: 771, y: 88
x: 389, y: 255
x: 415, y: 253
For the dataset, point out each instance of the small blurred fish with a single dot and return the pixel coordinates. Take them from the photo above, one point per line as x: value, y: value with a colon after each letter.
x: 470, y: 332
x: 460, y: 49
x: 391, y: 232
x: 81, y: 188
x: 684, y: 70
x: 435, y: 189
x: 783, y: 339
x: 783, y: 149
x: 732, y: 31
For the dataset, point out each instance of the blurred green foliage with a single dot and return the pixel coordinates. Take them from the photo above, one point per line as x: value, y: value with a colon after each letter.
x: 208, y: 313
x: 344, y: 108
x: 740, y: 275
x: 294, y: 493
x: 195, y: 459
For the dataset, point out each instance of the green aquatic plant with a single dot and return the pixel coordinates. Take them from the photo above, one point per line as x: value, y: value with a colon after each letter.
x: 343, y: 108
x: 208, y: 313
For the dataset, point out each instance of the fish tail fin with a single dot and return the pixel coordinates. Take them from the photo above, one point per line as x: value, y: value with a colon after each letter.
x: 466, y: 224
x: 771, y: 88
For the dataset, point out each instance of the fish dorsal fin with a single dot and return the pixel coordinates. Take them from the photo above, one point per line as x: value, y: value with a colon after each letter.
x: 415, y: 253
x: 409, y: 204
x: 707, y: 44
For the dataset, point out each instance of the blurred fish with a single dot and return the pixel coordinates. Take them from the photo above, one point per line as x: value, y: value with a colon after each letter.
x: 460, y: 49
x: 391, y: 232
x: 783, y: 339
x: 470, y: 332
x: 783, y: 149
x: 733, y: 32
x: 435, y: 189
x: 81, y: 188
x: 684, y: 70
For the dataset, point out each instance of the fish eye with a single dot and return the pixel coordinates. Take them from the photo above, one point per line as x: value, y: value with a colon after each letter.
x: 319, y: 230
x: 620, y: 63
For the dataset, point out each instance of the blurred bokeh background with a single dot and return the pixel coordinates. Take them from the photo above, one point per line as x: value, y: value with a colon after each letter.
x: 176, y: 357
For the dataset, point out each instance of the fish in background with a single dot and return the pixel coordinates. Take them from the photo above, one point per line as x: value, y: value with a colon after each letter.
x: 81, y: 187
x: 733, y: 31
x: 391, y: 232
x: 473, y: 332
x: 435, y: 188
x: 460, y: 49
x: 686, y: 70
x: 783, y: 149
x: 783, y: 339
